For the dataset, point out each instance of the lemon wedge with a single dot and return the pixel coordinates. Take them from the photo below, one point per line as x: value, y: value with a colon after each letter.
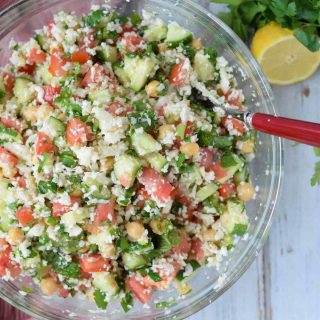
x: 282, y: 57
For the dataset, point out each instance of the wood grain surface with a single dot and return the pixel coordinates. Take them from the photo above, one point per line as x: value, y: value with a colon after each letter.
x: 283, y: 283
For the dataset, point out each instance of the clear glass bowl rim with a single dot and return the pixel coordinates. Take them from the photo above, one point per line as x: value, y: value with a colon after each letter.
x: 277, y: 146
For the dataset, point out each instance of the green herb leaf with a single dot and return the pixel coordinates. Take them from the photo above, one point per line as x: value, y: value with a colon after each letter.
x: 165, y: 304
x: 135, y: 18
x: 154, y: 276
x: 100, y: 299
x: 309, y: 40
x: 316, y: 152
x: 316, y: 175
x: 45, y: 186
x: 212, y: 53
x: 68, y: 159
x: 127, y: 302
x: 144, y: 119
x: 228, y: 160
x: 2, y: 94
x: 240, y: 229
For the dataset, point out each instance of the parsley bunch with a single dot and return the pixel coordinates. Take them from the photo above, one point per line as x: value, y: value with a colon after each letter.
x: 303, y: 16
x: 316, y: 175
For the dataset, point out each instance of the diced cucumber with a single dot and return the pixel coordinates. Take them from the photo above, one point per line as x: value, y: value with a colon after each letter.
x: 76, y: 216
x: 180, y: 130
x: 126, y: 168
x: 138, y: 71
x: 203, y: 67
x: 191, y: 176
x: 133, y: 261
x: 5, y: 221
x: 46, y: 161
x: 122, y: 75
x: 231, y: 170
x: 34, y: 262
x: 42, y: 41
x: 9, y: 135
x: 4, y: 183
x: 228, y: 241
x: 235, y: 219
x: 56, y: 127
x: 99, y: 96
x: 23, y: 91
x: 156, y: 160
x: 242, y: 175
x: 144, y: 143
x: 101, y: 238
x: 42, y: 72
x: 105, y: 282
x: 206, y: 191
x: 96, y: 185
x: 177, y: 34
x: 156, y: 33
x: 107, y: 53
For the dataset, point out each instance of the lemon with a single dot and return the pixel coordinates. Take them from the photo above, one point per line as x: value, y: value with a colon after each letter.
x: 282, y: 57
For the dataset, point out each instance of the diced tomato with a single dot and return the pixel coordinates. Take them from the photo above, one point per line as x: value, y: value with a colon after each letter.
x: 105, y: 212
x: 219, y: 172
x: 9, y: 81
x: 77, y: 132
x: 139, y: 290
x: 63, y: 293
x: 24, y: 215
x: 234, y: 123
x: 5, y: 261
x: 14, y: 269
x: 132, y: 42
x: 93, y: 75
x: 44, y: 143
x: 87, y: 42
x: 49, y: 93
x: 5, y: 253
x: 28, y: 69
x: 11, y: 122
x: 94, y: 263
x: 81, y: 57
x: 179, y: 72
x: 85, y: 275
x: 22, y: 183
x: 227, y: 189
x: 127, y: 28
x: 207, y: 158
x: 143, y: 195
x: 233, y: 97
x: 184, y: 245
x: 161, y: 110
x: 182, y: 198
x: 7, y: 157
x: 197, y: 251
x: 117, y: 108
x: 59, y: 209
x: 37, y: 56
x: 156, y: 185
x: 57, y: 63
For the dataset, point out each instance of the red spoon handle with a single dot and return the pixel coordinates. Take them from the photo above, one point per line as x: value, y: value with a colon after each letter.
x: 297, y: 130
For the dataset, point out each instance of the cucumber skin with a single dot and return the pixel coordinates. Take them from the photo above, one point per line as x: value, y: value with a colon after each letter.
x: 133, y: 261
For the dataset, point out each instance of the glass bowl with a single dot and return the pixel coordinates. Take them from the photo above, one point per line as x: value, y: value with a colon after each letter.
x: 21, y: 19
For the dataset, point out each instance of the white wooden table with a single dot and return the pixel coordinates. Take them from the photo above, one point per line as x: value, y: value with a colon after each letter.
x: 283, y: 283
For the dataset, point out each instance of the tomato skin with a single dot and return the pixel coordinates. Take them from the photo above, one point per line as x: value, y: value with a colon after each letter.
x: 24, y: 216
x: 218, y: 170
x: 105, y: 212
x: 49, y: 93
x: 139, y: 290
x: 207, y: 158
x: 37, y: 56
x: 184, y: 245
x: 197, y: 251
x: 81, y: 57
x: 118, y: 109
x: 156, y: 185
x: 9, y: 81
x: 5, y: 261
x: 179, y: 73
x: 44, y: 144
x: 22, y: 183
x: 87, y: 41
x: 131, y: 41
x: 57, y: 62
x: 233, y: 99
x: 59, y: 209
x: 11, y: 122
x: 63, y: 293
x: 7, y: 157
x: 28, y: 69
x: 94, y: 263
x: 227, y: 189
x: 238, y: 125
x: 77, y: 133
x: 93, y: 75
x: 143, y: 195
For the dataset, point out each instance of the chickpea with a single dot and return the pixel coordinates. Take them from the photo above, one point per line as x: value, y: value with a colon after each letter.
x: 165, y: 130
x: 108, y: 251
x: 196, y: 44
x: 151, y: 88
x: 49, y: 286
x: 37, y: 113
x: 45, y: 272
x: 245, y: 191
x: 247, y: 146
x: 190, y: 149
x: 158, y: 226
x: 15, y: 235
x: 135, y: 230
x: 208, y: 235
x: 108, y: 164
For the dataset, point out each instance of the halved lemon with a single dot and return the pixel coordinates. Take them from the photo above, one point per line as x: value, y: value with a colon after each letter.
x: 282, y: 57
